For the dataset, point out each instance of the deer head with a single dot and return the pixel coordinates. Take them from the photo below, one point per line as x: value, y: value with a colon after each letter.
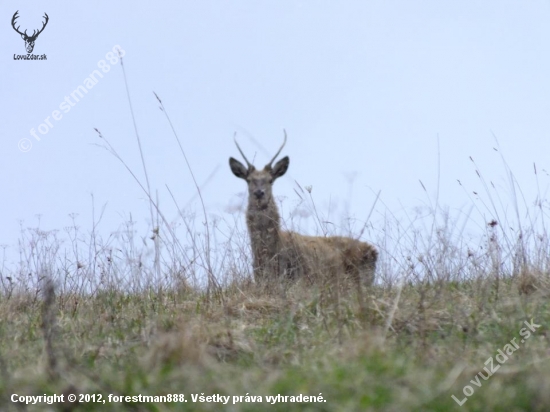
x: 29, y: 40
x: 260, y: 182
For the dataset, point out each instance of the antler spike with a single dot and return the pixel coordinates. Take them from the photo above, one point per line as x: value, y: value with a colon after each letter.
x: 45, y: 16
x: 277, y: 154
x: 13, y: 21
x: 250, y: 165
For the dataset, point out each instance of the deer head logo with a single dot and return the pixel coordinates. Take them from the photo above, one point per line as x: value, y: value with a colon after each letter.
x: 29, y: 40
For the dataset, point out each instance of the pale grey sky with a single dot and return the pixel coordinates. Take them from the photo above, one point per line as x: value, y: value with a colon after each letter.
x: 383, y: 90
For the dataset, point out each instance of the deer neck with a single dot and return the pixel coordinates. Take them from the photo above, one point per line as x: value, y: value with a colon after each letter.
x: 264, y: 225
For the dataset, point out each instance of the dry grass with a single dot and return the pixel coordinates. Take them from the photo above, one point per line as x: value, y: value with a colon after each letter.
x: 412, y: 350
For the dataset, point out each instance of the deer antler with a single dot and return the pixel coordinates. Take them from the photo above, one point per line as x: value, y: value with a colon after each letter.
x: 34, y: 33
x: 15, y: 16
x: 43, y: 25
x: 277, y: 154
x: 250, y: 165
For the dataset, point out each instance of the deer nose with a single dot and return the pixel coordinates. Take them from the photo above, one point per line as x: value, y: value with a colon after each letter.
x: 259, y: 193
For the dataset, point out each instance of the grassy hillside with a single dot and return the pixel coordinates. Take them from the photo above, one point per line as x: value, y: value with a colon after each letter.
x: 412, y: 347
x: 452, y: 322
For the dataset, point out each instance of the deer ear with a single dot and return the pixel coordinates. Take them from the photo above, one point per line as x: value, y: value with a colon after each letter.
x: 238, y: 168
x: 280, y: 167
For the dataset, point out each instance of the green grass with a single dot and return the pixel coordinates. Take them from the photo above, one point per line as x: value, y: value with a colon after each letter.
x: 260, y: 345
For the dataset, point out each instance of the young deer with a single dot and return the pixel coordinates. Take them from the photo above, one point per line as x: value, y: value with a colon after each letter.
x: 284, y: 254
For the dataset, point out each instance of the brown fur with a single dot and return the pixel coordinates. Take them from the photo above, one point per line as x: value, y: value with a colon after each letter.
x: 284, y: 254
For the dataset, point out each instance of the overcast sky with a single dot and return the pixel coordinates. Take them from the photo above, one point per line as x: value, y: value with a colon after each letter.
x: 374, y: 95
